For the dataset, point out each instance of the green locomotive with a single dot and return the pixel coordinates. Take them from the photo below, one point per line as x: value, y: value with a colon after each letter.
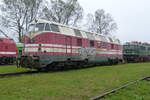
x: 20, y: 48
x: 136, y: 52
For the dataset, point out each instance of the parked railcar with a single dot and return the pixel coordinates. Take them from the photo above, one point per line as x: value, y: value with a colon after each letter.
x: 136, y: 52
x: 148, y: 51
x: 8, y: 51
x: 48, y: 44
x: 147, y: 55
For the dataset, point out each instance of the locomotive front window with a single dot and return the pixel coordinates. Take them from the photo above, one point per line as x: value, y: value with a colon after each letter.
x: 39, y: 27
x: 36, y: 27
x: 31, y: 28
x: 47, y: 27
x: 54, y: 28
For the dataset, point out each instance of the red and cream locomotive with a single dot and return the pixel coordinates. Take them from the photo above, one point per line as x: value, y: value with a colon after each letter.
x: 48, y: 44
x: 8, y: 51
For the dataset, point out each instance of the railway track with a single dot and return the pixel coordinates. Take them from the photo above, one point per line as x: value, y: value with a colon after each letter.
x: 33, y: 72
x: 123, y: 86
x: 17, y: 74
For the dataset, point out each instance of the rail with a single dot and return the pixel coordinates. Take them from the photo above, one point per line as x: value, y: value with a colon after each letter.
x: 17, y: 74
x: 123, y: 86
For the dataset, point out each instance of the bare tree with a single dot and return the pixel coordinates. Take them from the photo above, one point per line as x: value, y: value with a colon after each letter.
x: 90, y: 26
x: 16, y: 14
x: 4, y: 33
x: 67, y: 12
x: 101, y: 22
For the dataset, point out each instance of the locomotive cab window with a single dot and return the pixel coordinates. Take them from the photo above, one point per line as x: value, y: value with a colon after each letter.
x: 54, y: 28
x: 36, y: 27
x: 31, y: 28
x: 47, y: 27
x: 92, y: 43
x: 39, y: 27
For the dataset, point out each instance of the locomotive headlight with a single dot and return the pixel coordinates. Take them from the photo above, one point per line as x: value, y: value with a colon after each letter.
x: 32, y: 34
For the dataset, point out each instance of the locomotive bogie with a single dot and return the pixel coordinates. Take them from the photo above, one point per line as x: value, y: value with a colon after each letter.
x: 37, y: 62
x: 7, y: 60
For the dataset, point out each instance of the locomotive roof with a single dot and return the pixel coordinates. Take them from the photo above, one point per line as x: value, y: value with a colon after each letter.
x: 2, y: 38
x: 137, y: 44
x: 103, y: 38
x: 5, y: 40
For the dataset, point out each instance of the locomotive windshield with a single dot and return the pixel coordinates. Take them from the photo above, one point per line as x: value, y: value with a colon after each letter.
x: 36, y: 27
x: 43, y: 27
x: 31, y: 27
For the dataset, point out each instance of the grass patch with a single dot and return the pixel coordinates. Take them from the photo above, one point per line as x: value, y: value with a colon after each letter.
x: 11, y: 69
x: 80, y: 84
x: 138, y: 91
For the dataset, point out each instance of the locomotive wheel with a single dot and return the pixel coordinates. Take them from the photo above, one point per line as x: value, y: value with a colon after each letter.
x: 25, y: 61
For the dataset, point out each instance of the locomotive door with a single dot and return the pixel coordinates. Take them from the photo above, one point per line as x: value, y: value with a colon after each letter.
x: 68, y: 46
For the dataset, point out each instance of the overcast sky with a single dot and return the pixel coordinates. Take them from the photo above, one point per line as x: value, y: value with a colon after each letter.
x: 132, y: 17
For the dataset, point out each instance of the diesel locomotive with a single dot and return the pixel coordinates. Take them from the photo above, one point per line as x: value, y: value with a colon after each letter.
x: 48, y: 45
x: 136, y: 52
x: 8, y: 51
